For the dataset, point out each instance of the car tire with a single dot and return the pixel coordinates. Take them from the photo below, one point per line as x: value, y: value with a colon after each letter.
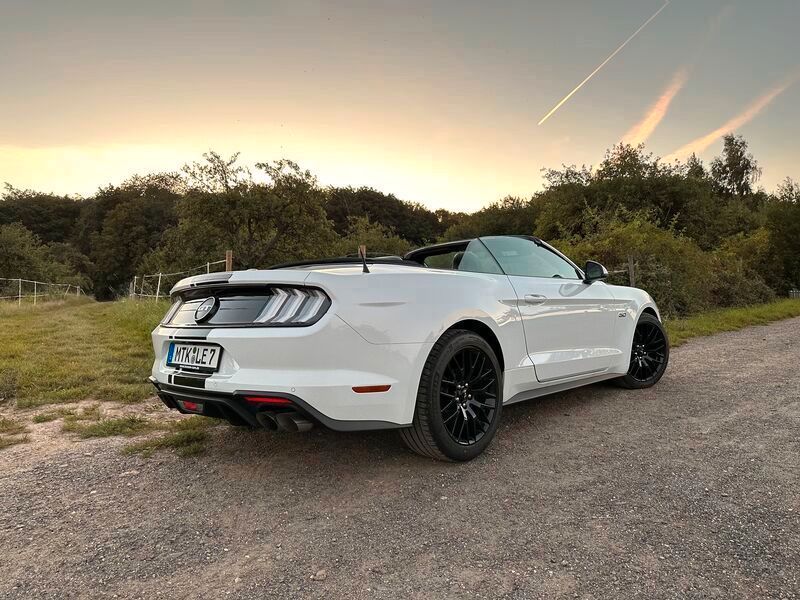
x: 462, y: 374
x: 649, y: 354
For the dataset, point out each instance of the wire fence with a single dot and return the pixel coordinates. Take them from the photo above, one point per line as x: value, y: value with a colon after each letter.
x: 158, y: 285
x: 30, y: 291
x: 794, y: 294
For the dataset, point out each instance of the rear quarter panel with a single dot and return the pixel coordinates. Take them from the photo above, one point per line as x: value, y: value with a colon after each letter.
x: 397, y: 305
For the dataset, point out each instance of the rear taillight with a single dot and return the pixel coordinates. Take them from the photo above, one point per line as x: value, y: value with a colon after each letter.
x: 293, y: 306
x: 172, y: 310
x: 249, y: 305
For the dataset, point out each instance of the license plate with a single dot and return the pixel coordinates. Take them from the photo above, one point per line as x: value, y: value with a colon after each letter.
x: 200, y: 357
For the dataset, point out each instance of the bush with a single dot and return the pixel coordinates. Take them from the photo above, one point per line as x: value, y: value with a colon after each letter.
x: 682, y: 278
x: 672, y: 268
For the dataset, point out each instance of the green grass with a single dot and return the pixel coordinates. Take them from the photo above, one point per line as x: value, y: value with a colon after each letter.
x: 6, y: 442
x: 11, y: 427
x: 89, y: 422
x: 186, y: 437
x: 66, y: 352
x: 729, y: 319
x: 49, y: 416
x: 127, y: 426
x: 12, y: 432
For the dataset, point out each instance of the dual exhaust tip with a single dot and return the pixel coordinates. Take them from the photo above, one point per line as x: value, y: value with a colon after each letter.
x: 284, y: 421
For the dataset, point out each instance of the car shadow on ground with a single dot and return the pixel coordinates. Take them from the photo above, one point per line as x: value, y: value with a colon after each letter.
x: 523, y: 428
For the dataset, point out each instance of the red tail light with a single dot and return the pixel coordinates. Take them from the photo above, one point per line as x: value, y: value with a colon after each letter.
x: 268, y: 400
x: 191, y: 406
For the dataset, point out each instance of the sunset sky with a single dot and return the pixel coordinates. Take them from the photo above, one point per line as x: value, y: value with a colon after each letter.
x: 437, y: 102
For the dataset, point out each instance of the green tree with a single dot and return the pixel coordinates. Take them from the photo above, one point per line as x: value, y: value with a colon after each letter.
x: 783, y: 225
x: 510, y: 216
x: 50, y: 217
x: 630, y: 183
x: 22, y: 255
x: 263, y: 223
x: 736, y: 171
x: 376, y: 237
x: 408, y: 220
x: 132, y: 229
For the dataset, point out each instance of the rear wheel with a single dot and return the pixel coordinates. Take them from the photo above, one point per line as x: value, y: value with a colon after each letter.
x: 459, y: 399
x: 649, y: 354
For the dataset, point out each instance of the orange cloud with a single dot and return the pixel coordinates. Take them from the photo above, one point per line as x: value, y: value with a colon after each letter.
x: 644, y: 128
x: 700, y: 144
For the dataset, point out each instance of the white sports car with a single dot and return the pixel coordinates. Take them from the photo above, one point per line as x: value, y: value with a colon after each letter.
x: 433, y: 344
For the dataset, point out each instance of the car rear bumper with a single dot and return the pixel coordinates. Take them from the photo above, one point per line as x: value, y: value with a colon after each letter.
x: 316, y: 368
x: 238, y: 411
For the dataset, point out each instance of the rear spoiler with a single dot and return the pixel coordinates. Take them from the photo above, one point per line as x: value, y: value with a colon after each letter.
x: 346, y: 260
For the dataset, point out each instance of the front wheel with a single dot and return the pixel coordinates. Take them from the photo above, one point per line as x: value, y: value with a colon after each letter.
x: 459, y: 399
x: 649, y: 354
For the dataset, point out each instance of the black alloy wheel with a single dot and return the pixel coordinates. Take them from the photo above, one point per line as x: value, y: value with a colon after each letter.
x: 459, y: 401
x: 649, y: 353
x: 468, y: 395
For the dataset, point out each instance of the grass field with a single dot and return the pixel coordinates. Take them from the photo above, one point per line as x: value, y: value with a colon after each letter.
x: 63, y: 353
x: 730, y: 319
x: 78, y: 350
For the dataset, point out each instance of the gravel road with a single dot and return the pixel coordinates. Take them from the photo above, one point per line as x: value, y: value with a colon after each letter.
x: 688, y: 490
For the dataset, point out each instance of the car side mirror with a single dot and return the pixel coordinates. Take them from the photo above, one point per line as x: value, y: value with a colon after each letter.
x: 594, y: 271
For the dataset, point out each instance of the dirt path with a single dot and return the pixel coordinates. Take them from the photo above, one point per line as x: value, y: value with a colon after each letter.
x: 689, y: 489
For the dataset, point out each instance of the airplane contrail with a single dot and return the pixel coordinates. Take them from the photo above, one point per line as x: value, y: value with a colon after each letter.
x: 657, y: 111
x: 604, y: 63
x: 642, y: 130
x: 698, y: 145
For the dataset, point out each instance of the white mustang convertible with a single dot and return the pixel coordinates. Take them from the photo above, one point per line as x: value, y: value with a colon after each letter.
x: 433, y: 344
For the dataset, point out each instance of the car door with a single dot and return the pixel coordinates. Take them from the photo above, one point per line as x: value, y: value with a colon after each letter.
x: 568, y: 324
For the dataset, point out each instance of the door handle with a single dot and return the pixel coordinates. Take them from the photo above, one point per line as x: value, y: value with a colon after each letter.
x: 535, y: 299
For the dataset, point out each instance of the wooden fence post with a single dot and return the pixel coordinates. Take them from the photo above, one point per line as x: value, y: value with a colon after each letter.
x: 229, y: 260
x: 158, y: 287
x: 19, y: 293
x: 34, y: 293
x: 631, y: 272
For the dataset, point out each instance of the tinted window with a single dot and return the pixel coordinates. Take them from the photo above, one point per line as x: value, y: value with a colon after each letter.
x: 477, y: 259
x: 441, y: 261
x: 519, y: 256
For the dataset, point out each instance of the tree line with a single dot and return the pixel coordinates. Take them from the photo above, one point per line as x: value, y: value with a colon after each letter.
x: 701, y: 235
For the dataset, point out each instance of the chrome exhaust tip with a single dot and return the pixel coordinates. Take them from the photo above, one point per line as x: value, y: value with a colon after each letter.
x: 268, y: 421
x: 293, y: 422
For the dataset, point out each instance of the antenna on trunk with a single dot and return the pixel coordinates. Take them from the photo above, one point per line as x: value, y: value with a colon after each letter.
x: 362, y: 252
